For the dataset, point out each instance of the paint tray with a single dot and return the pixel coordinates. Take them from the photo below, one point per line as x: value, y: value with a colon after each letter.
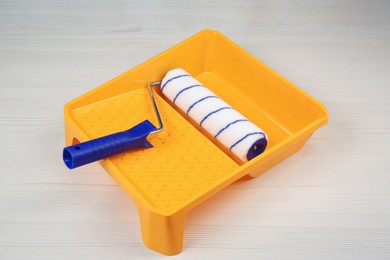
x: 185, y: 167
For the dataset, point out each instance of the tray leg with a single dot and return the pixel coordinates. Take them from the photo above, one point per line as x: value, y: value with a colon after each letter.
x: 287, y: 152
x: 163, y: 234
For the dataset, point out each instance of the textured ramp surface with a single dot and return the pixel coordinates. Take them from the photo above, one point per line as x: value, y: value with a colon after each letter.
x: 182, y: 163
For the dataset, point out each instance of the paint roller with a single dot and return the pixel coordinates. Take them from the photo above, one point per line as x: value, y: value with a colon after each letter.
x: 242, y: 137
x: 230, y: 128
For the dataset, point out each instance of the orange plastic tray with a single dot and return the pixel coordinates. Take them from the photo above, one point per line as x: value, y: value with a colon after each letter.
x: 186, y: 167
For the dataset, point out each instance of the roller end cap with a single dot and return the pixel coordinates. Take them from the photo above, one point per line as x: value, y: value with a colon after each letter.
x: 257, y: 148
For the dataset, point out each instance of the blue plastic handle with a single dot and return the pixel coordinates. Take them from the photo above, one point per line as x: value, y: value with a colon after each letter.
x: 103, y: 147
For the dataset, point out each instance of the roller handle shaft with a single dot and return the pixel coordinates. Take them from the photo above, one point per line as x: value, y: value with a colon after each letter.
x: 106, y: 146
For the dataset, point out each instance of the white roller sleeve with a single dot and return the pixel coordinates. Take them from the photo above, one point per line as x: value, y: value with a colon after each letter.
x: 229, y: 127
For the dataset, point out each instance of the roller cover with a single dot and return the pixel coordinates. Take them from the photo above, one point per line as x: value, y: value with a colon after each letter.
x: 228, y: 126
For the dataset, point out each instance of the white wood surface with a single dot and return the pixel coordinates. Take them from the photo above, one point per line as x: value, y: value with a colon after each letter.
x: 329, y: 201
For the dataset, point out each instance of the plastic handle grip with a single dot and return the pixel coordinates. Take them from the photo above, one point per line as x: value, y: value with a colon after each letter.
x: 103, y: 147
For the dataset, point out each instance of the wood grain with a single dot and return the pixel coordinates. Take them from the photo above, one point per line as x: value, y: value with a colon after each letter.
x: 329, y: 201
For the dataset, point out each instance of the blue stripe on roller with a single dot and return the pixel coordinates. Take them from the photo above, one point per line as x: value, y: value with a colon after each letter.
x: 200, y: 100
x: 211, y: 113
x: 232, y: 123
x: 176, y: 77
x: 242, y: 139
x: 187, y: 88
